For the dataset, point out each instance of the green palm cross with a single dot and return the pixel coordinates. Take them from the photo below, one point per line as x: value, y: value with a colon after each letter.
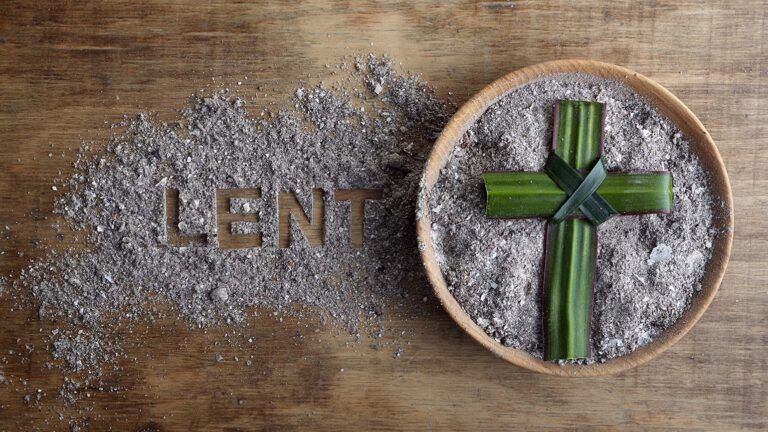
x: 575, y: 203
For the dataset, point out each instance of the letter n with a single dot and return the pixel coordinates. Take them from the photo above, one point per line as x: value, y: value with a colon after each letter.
x: 313, y: 227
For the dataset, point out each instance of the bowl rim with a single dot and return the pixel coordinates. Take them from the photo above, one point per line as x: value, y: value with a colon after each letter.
x: 666, y: 103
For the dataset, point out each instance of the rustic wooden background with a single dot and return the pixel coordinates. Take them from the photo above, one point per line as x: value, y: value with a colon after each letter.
x: 67, y: 67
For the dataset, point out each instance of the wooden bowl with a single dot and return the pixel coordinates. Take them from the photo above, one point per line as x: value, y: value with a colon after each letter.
x: 674, y: 110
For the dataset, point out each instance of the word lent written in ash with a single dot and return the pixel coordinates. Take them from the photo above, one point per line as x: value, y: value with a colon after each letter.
x: 312, y: 225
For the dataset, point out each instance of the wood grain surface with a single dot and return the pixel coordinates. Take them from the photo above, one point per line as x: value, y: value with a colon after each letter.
x: 68, y: 68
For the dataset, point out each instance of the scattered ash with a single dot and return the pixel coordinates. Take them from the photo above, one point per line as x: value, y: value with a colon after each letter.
x: 344, y: 136
x: 649, y: 266
x: 81, y: 351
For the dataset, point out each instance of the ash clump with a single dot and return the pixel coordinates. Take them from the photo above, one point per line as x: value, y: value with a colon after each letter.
x: 81, y: 352
x: 343, y: 136
x: 649, y: 266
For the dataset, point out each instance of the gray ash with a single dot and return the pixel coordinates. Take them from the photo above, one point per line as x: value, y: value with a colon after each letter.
x: 338, y: 137
x: 649, y: 266
x: 81, y: 351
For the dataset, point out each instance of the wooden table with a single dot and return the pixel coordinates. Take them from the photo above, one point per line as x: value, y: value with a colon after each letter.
x: 66, y: 68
